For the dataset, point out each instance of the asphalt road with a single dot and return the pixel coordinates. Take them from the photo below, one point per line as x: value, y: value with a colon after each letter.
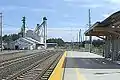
x: 89, y: 66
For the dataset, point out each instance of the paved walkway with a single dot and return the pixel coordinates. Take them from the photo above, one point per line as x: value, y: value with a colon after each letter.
x: 89, y: 66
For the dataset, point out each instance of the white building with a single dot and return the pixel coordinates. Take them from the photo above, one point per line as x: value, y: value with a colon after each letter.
x: 26, y: 43
x: 31, y: 41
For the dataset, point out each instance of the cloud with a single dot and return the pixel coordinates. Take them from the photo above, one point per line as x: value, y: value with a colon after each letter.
x: 42, y: 10
x: 69, y: 22
x: 93, y: 1
x: 91, y: 5
x: 10, y: 30
x: 84, y: 3
x: 75, y: 1
x: 66, y: 33
x: 113, y: 4
x: 106, y: 15
x: 114, y: 1
x: 66, y: 16
x: 9, y: 8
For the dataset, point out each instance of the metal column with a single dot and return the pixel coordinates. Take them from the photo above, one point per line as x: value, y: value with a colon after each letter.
x: 45, y: 31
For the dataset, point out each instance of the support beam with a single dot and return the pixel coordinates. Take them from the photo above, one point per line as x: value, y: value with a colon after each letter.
x: 107, y: 48
x: 116, y: 33
x: 110, y: 30
x: 118, y: 45
x: 106, y: 29
x: 45, y: 31
x: 100, y: 37
x: 114, y: 50
x: 117, y: 48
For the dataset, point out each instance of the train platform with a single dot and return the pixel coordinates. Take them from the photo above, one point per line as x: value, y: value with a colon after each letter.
x: 85, y: 66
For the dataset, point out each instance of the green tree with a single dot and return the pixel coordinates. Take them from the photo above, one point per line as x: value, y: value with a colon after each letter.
x: 9, y: 38
x: 59, y: 41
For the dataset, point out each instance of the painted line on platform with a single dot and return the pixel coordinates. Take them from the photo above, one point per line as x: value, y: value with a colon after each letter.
x: 79, y: 75
x: 57, y: 74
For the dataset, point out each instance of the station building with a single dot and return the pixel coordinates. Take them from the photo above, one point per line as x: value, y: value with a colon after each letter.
x: 109, y: 31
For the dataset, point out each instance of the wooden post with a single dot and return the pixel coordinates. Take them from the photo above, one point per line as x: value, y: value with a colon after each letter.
x: 107, y: 47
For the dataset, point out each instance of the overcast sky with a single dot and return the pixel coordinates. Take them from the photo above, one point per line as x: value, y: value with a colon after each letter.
x: 65, y: 17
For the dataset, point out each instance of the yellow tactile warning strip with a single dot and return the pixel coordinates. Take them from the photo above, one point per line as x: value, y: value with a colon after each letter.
x: 79, y: 75
x: 58, y: 71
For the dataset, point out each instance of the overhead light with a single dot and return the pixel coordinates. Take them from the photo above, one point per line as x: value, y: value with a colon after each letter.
x: 113, y: 26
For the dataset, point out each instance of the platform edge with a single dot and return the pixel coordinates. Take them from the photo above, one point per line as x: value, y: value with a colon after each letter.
x: 57, y: 74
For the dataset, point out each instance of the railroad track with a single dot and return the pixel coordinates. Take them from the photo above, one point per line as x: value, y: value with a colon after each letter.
x: 10, y: 61
x: 40, y: 70
x: 14, y: 55
x: 46, y: 74
x: 9, y: 68
x: 7, y: 56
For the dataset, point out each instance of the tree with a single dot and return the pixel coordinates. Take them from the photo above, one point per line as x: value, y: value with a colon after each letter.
x: 9, y: 38
x: 97, y: 43
x: 59, y: 41
x: 14, y: 37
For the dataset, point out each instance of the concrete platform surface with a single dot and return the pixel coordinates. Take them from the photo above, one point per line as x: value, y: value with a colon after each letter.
x: 89, y: 66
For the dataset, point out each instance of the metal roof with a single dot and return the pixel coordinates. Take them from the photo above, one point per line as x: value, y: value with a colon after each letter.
x: 108, y: 23
x: 94, y: 25
x: 33, y: 40
x: 111, y: 19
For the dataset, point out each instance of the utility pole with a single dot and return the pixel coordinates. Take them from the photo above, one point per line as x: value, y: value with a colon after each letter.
x: 79, y: 38
x: 80, y: 35
x: 45, y: 31
x: 73, y: 43
x: 1, y: 30
x: 83, y: 38
x: 90, y: 45
x: 23, y: 27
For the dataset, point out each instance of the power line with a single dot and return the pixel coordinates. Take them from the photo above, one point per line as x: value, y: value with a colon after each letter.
x: 8, y: 25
